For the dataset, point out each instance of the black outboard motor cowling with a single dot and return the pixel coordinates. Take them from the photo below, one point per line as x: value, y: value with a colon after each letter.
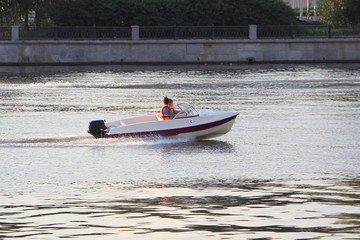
x: 97, y: 128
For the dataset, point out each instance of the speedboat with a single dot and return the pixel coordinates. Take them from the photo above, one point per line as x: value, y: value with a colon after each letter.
x: 187, y: 123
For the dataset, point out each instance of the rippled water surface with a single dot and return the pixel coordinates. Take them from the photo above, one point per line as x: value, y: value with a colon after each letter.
x: 288, y: 169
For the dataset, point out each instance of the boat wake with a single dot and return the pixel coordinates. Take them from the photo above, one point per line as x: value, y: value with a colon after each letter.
x: 88, y: 141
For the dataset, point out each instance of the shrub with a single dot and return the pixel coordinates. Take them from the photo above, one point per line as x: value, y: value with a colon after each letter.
x: 170, y: 12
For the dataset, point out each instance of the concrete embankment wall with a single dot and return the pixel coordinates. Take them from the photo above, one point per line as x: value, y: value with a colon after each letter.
x: 178, y: 51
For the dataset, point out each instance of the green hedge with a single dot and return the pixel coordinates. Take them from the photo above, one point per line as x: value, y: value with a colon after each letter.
x: 170, y: 12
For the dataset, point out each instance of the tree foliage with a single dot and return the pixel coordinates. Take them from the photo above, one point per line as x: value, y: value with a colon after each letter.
x: 8, y: 11
x: 339, y: 12
x: 12, y: 11
x: 170, y: 12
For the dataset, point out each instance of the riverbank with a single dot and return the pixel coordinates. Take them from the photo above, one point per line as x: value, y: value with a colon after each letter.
x: 97, y: 52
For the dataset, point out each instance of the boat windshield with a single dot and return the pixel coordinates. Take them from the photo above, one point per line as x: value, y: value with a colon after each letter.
x: 185, y: 110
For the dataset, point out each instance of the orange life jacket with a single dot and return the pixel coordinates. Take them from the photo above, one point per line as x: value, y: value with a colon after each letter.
x: 165, y: 116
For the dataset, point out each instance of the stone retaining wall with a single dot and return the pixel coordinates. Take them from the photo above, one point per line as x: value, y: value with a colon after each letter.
x: 178, y: 51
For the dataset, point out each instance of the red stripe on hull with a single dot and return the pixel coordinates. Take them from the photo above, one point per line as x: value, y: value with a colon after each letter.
x: 173, y: 132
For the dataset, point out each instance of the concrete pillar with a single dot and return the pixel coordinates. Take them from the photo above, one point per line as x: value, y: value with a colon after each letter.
x: 252, y: 32
x: 301, y: 6
x: 135, y: 36
x: 15, y: 33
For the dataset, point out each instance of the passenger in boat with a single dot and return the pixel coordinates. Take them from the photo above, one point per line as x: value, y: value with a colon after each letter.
x: 171, y: 105
x: 167, y: 111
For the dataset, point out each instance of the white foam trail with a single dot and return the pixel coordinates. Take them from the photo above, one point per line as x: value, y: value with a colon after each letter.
x: 61, y: 139
x: 88, y: 141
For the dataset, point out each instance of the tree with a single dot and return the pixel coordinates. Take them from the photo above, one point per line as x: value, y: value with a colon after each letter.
x: 24, y: 7
x: 339, y: 12
x: 41, y: 8
x: 8, y: 12
x: 11, y: 11
x: 170, y: 12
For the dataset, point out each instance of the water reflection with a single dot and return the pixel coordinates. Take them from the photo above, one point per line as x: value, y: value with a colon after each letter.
x: 233, y: 207
x: 190, y: 146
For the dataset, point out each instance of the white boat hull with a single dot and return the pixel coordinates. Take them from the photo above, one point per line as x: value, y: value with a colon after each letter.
x: 207, y: 125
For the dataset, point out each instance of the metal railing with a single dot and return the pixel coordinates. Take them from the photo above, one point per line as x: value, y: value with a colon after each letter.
x: 344, y: 31
x: 5, y: 33
x: 183, y: 32
x: 76, y: 33
x: 194, y: 32
x: 307, y: 31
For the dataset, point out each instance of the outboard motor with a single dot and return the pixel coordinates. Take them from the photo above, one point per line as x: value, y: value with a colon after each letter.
x: 97, y: 128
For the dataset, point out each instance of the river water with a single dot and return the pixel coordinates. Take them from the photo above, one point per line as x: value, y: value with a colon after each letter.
x: 288, y: 169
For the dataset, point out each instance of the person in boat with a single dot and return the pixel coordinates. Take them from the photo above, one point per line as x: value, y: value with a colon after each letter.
x: 167, y: 111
